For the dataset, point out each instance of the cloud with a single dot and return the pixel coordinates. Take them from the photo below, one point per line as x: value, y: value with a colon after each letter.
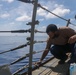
x: 23, y: 18
x: 4, y: 15
x: 73, y: 20
x: 58, y: 10
x: 42, y: 28
x: 42, y: 12
x: 41, y: 19
x: 9, y: 26
x: 61, y: 11
x: 1, y: 5
x: 9, y: 1
x: 22, y: 12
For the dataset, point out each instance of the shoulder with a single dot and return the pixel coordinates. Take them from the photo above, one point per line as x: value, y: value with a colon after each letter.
x: 66, y: 29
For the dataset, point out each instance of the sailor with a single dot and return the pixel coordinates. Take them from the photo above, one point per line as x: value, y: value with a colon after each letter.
x: 61, y: 41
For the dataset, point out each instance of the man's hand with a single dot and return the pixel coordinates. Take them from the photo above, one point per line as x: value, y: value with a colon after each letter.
x: 39, y: 62
x: 72, y: 39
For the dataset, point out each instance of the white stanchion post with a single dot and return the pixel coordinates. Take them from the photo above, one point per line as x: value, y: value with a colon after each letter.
x: 32, y: 37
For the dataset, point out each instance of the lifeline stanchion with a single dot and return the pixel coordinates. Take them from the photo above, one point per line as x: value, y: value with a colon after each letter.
x: 68, y: 22
x: 32, y: 36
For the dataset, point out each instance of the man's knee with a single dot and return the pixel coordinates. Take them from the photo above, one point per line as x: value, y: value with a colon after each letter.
x: 56, y: 50
x: 53, y: 51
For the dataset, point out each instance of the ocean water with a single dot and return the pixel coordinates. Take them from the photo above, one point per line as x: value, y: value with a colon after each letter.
x: 9, y: 42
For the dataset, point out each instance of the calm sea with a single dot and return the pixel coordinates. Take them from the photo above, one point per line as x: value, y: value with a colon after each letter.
x: 9, y: 42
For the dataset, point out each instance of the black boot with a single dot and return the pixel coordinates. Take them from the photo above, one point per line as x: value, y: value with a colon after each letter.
x: 63, y: 60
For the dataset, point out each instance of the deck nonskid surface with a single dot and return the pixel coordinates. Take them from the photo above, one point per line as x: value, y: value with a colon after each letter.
x: 52, y: 68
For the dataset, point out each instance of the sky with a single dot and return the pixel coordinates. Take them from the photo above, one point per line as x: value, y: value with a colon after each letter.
x: 14, y: 15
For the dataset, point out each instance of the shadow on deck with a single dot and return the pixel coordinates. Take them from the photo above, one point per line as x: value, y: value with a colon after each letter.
x: 52, y: 68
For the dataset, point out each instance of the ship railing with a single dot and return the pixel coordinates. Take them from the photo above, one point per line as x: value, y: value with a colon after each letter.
x: 22, y: 57
x: 31, y: 38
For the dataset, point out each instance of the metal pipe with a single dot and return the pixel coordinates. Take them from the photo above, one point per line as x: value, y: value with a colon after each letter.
x: 68, y: 22
x: 32, y: 37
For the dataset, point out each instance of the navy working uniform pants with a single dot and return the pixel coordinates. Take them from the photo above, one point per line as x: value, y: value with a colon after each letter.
x: 59, y: 51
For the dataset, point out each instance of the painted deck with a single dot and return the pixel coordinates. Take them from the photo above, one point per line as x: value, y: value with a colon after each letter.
x: 52, y: 68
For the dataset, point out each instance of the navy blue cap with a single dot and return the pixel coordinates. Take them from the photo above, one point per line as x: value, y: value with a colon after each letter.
x: 51, y: 27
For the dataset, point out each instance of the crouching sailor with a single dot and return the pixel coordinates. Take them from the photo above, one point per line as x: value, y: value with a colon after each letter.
x: 61, y: 41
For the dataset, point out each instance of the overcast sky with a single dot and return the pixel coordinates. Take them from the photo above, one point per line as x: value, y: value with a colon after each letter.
x: 15, y: 14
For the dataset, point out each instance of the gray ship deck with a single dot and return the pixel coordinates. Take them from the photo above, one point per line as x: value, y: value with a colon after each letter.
x: 52, y: 68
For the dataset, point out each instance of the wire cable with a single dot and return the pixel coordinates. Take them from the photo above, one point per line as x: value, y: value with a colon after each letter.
x: 54, y: 14
x: 21, y: 46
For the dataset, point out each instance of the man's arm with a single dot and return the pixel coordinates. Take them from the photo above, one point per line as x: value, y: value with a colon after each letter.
x: 46, y: 49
